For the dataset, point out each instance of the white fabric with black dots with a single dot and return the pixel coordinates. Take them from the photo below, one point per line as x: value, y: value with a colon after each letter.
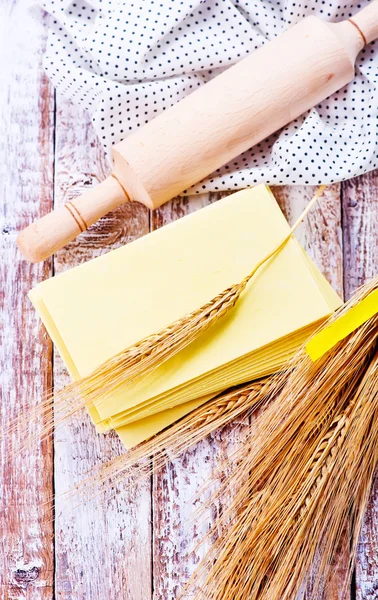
x: 125, y: 62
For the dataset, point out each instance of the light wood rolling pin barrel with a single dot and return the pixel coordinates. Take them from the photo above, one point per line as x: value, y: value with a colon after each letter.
x: 220, y: 120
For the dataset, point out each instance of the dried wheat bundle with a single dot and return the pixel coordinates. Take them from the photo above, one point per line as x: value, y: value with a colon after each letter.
x: 306, y: 475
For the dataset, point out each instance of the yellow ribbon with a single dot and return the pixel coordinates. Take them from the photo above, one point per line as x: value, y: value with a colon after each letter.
x: 356, y: 316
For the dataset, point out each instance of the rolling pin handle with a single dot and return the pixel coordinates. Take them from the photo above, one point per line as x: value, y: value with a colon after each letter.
x: 366, y: 22
x: 53, y: 231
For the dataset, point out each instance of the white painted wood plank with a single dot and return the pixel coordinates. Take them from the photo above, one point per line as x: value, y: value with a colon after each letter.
x: 178, y: 488
x: 26, y: 183
x: 360, y: 211
x: 103, y: 547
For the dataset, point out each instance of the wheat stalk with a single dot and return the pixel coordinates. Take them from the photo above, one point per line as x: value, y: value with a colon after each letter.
x: 309, y: 466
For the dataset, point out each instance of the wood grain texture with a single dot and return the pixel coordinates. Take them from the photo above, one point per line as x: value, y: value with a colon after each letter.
x: 180, y: 488
x: 361, y: 264
x: 360, y: 230
x: 321, y: 235
x: 103, y: 548
x: 26, y: 175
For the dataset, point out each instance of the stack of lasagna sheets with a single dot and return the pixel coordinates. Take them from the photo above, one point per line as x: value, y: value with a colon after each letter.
x: 95, y: 310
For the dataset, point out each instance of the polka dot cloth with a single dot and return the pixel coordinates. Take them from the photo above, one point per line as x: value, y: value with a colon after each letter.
x: 125, y: 62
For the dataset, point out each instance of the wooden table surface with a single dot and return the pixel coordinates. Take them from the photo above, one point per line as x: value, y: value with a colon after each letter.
x: 136, y: 543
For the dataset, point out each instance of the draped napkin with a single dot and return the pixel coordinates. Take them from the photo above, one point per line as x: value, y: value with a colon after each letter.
x: 125, y: 62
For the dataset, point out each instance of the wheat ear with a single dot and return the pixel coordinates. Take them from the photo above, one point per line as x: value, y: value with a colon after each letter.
x: 309, y: 468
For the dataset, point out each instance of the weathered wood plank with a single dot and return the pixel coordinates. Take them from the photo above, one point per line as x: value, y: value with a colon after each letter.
x: 103, y: 548
x: 320, y: 234
x: 180, y: 487
x: 26, y: 176
x: 177, y: 487
x: 360, y: 225
x: 360, y: 229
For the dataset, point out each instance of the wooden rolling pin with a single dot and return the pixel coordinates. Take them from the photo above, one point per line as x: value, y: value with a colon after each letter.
x: 216, y: 123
